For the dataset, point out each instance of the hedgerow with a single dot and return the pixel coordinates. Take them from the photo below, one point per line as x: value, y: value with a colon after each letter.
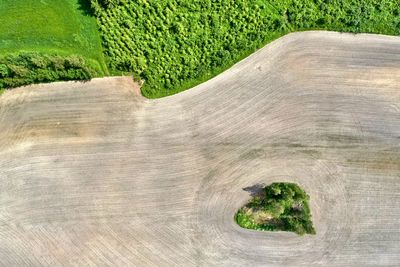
x: 175, y: 44
x: 27, y: 68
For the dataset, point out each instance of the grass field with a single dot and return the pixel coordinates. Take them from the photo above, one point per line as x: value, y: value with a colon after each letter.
x: 61, y: 27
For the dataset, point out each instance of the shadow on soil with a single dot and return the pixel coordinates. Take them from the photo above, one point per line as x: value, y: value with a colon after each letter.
x: 254, y: 190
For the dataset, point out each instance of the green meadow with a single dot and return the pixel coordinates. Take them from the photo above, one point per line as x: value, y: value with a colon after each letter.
x: 53, y: 27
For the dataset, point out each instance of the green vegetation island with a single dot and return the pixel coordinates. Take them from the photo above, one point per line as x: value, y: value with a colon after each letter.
x: 278, y: 207
x: 171, y: 45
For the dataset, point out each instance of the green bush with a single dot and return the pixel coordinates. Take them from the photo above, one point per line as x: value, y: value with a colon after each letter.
x: 26, y: 68
x: 176, y: 44
x: 279, y: 207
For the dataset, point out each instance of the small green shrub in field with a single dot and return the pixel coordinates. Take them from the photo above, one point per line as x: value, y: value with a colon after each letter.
x: 279, y: 207
x: 27, y: 68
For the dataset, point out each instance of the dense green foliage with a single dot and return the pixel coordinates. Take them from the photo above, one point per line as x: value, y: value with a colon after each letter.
x: 22, y: 69
x: 175, y: 44
x: 62, y: 27
x: 280, y: 206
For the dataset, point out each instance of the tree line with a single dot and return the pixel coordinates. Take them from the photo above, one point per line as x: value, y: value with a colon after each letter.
x: 27, y: 68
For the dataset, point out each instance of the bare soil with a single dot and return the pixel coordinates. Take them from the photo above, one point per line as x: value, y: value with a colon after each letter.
x: 94, y: 174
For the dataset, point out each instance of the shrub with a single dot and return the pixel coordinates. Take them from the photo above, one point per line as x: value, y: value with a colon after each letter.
x: 281, y: 206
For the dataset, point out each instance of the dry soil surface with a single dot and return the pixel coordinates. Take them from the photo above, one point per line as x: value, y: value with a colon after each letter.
x: 94, y: 174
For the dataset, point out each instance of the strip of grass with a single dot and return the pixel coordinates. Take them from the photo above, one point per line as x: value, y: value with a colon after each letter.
x: 61, y: 28
x: 176, y: 44
x: 279, y: 207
